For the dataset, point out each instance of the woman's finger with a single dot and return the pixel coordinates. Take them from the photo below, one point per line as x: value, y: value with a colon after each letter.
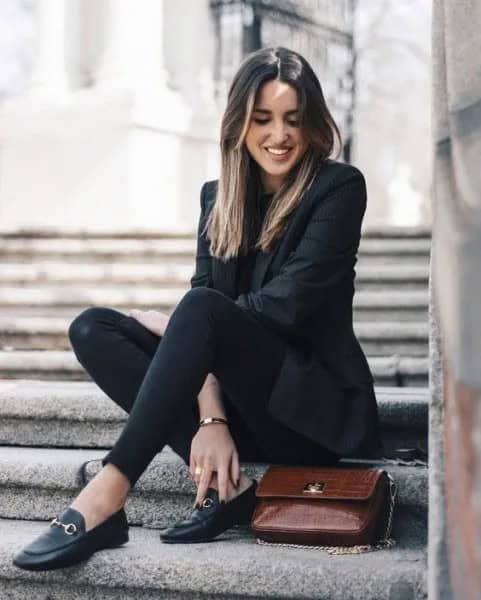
x: 204, y: 481
x: 194, y: 471
x: 235, y: 468
x: 223, y: 480
x: 192, y: 464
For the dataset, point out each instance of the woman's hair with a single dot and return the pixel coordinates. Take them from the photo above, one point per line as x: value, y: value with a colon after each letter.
x: 239, y: 187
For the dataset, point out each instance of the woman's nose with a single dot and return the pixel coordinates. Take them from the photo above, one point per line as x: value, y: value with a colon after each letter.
x: 278, y: 134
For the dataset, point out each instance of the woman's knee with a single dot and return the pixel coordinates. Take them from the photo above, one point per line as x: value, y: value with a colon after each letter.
x: 202, y: 297
x: 86, y: 323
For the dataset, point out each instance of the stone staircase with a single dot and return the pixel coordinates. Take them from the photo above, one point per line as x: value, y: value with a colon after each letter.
x: 56, y: 424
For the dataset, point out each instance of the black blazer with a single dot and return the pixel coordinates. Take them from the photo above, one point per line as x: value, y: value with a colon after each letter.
x: 303, y: 290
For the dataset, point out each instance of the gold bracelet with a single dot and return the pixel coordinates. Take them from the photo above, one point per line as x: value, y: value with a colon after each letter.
x: 208, y: 420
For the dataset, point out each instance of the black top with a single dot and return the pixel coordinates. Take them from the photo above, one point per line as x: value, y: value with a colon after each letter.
x: 245, y: 263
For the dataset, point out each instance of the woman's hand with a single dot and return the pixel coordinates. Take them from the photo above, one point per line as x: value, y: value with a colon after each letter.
x: 214, y: 450
x: 153, y: 320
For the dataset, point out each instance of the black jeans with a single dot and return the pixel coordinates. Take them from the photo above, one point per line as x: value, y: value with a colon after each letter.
x: 156, y: 379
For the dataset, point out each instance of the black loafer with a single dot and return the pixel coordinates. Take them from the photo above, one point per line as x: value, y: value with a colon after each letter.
x: 66, y: 542
x: 212, y: 518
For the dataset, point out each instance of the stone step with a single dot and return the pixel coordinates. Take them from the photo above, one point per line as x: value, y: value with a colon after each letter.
x: 155, y: 250
x: 377, y: 339
x: 364, y: 259
x: 233, y: 566
x: 35, y: 482
x: 170, y: 273
x: 77, y: 297
x: 362, y: 314
x: 79, y: 414
x: 377, y: 231
x: 62, y: 364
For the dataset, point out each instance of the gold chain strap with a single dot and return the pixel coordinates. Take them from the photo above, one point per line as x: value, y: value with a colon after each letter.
x: 385, y: 542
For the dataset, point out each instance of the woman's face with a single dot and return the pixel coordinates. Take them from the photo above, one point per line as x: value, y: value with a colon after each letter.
x: 274, y: 127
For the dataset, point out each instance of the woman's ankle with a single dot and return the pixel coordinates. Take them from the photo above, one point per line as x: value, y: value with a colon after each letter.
x: 103, y: 496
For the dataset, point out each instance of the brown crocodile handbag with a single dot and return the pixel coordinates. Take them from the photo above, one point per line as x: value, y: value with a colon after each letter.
x: 338, y: 509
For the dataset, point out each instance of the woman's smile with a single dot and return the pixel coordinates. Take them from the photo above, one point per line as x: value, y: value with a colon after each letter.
x: 279, y: 155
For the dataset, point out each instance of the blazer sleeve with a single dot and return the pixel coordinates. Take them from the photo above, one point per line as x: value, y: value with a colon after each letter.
x: 325, y: 254
x: 203, y: 263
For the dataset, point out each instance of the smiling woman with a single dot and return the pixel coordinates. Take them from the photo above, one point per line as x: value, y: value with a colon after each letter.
x: 258, y: 361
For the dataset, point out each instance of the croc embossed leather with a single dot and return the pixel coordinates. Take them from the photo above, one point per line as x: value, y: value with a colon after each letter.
x: 212, y: 518
x: 66, y: 542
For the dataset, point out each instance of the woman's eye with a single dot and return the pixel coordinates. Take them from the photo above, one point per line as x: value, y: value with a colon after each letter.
x: 263, y: 121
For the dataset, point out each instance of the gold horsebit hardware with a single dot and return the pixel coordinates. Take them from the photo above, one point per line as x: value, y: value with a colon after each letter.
x: 316, y: 486
x: 69, y: 529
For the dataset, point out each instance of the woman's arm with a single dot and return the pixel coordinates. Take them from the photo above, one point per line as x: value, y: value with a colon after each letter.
x: 210, y: 398
x: 203, y: 267
x: 325, y: 254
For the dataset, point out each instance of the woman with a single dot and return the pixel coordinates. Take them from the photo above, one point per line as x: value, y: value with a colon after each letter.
x: 263, y: 342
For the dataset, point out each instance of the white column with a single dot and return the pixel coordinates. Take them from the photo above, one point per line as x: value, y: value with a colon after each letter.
x: 49, y: 74
x: 192, y: 64
x: 116, y: 62
x: 134, y: 60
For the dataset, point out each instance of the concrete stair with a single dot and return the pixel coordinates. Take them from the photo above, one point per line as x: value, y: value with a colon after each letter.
x: 233, y: 567
x: 50, y: 333
x: 177, y: 273
x: 68, y: 300
x: 35, y: 481
x: 74, y: 414
x: 56, y: 425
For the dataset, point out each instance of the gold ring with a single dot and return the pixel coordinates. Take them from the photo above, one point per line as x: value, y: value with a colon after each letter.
x: 197, y: 470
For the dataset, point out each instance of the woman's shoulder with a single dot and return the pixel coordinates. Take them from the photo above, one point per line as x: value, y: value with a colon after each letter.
x: 337, y: 171
x: 343, y: 182
x: 209, y: 187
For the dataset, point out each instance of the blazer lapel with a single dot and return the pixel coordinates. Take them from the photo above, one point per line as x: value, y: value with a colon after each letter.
x: 224, y: 276
x: 262, y: 262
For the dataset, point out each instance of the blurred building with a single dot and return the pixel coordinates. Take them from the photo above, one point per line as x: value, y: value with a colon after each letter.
x: 111, y: 110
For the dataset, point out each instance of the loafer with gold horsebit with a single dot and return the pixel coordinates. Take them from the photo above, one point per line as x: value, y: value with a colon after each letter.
x: 213, y: 517
x: 66, y: 542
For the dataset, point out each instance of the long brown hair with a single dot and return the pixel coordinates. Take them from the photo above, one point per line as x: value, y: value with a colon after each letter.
x: 239, y: 182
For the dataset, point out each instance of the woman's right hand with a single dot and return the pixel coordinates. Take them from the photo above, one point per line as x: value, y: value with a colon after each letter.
x: 153, y: 320
x: 214, y: 450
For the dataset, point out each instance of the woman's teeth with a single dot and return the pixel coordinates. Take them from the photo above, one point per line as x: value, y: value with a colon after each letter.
x: 275, y: 151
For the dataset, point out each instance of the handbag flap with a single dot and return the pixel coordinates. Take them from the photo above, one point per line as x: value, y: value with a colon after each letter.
x: 333, y: 483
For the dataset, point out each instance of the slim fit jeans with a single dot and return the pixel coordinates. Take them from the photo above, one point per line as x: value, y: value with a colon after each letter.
x: 156, y: 380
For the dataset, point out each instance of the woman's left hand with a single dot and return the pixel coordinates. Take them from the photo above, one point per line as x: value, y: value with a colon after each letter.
x: 153, y: 320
